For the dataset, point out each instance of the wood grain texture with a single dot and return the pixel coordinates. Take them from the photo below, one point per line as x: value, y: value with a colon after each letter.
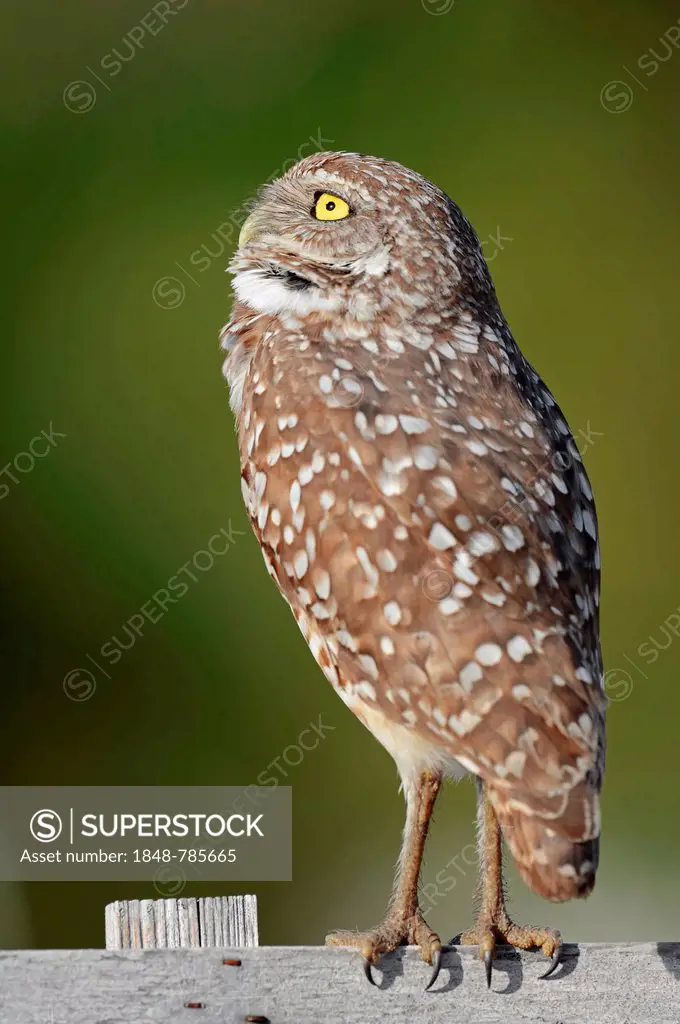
x: 184, y: 923
x: 637, y: 983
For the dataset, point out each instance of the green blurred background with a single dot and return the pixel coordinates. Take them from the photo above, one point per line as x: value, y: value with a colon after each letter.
x: 111, y: 186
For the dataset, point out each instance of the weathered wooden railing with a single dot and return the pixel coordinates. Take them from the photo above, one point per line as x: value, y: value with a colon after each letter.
x: 197, y: 960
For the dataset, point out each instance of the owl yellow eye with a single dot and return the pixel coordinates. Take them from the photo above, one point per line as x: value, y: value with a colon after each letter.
x: 329, y: 207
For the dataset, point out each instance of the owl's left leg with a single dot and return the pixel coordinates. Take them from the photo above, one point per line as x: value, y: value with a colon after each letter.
x: 404, y: 923
x: 493, y: 923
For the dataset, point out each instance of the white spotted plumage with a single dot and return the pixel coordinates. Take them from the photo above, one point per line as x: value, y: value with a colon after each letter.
x: 394, y: 431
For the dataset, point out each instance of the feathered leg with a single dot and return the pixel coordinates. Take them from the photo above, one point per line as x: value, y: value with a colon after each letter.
x: 493, y: 924
x: 404, y: 923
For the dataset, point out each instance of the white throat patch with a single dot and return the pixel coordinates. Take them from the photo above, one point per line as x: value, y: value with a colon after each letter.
x: 266, y: 294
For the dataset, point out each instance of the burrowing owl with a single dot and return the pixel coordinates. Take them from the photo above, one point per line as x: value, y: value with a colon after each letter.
x: 424, y: 510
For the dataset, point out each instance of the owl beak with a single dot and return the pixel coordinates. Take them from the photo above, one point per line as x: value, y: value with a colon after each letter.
x: 248, y: 230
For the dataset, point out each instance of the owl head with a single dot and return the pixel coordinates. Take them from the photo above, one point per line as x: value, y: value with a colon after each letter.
x: 339, y: 228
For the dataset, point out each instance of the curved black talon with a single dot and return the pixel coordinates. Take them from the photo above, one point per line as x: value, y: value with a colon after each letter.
x: 436, y: 968
x: 488, y: 966
x: 555, y: 961
x: 367, y: 972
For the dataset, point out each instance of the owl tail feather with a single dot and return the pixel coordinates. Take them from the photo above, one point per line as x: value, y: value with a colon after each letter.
x: 553, y: 865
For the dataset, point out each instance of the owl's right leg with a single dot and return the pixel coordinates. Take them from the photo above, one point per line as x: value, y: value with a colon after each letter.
x: 493, y: 923
x: 404, y: 923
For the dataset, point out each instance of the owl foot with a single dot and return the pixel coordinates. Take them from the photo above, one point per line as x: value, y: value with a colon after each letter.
x: 487, y: 933
x: 393, y: 932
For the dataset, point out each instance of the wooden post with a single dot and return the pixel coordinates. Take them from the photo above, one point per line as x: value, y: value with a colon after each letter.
x: 184, y: 923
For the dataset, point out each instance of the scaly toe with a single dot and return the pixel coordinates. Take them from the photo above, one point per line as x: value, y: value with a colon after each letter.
x: 483, y: 936
x: 487, y: 953
x: 429, y: 944
x: 372, y: 945
x: 420, y: 934
x: 548, y: 940
x: 487, y: 950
